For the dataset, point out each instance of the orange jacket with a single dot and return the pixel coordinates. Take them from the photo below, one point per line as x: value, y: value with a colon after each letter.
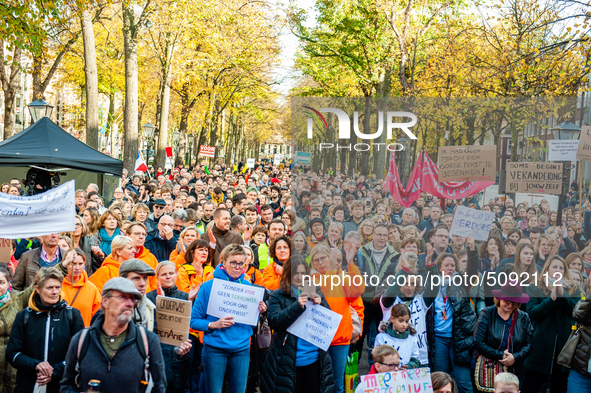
x: 146, y: 256
x: 187, y: 277
x: 173, y: 255
x: 254, y: 275
x: 341, y: 298
x: 179, y: 260
x: 270, y: 278
x: 88, y: 300
x: 108, y: 270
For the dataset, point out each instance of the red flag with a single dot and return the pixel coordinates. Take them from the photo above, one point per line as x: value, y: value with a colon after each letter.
x: 168, y: 152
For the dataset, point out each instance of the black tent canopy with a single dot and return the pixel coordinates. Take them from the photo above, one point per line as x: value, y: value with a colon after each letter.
x: 45, y: 143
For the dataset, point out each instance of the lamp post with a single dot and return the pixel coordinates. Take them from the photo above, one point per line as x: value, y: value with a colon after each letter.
x: 402, y: 169
x: 176, y: 136
x: 565, y: 131
x: 191, y: 141
x: 39, y: 108
x: 148, y: 130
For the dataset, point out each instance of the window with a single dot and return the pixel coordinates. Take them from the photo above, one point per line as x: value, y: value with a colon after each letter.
x: 18, y: 102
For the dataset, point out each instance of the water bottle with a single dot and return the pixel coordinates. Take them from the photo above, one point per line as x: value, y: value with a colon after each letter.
x: 94, y: 386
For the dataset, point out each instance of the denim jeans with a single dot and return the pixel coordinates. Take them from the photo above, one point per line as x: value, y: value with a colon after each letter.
x: 578, y: 382
x: 444, y: 361
x: 215, y: 361
x: 338, y: 355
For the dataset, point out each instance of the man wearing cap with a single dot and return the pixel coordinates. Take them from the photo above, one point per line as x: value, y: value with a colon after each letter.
x: 138, y: 272
x: 115, y: 351
x: 317, y: 232
x: 158, y: 206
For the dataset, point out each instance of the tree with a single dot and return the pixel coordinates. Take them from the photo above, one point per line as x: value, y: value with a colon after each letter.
x: 91, y: 79
x: 9, y: 80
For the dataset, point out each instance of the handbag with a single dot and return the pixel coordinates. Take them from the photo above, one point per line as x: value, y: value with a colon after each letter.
x: 565, y: 357
x: 263, y: 336
x: 356, y: 321
x: 486, y: 370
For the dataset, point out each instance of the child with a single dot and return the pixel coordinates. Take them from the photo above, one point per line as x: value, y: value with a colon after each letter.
x: 506, y: 383
x: 385, y: 359
x: 401, y: 335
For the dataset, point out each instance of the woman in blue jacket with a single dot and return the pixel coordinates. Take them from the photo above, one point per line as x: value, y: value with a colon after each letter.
x: 226, y: 344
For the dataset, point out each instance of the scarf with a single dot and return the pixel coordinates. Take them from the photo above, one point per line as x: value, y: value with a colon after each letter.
x: 377, y: 256
x: 106, y: 240
x: 6, y: 297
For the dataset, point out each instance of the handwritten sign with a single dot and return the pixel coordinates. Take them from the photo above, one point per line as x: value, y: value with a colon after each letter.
x: 534, y: 177
x: 471, y: 222
x: 467, y: 163
x: 230, y: 299
x: 250, y: 162
x: 416, y: 380
x: 173, y: 317
x: 584, y: 149
x: 28, y: 216
x: 207, y: 151
x: 562, y: 150
x: 317, y: 325
x: 5, y: 250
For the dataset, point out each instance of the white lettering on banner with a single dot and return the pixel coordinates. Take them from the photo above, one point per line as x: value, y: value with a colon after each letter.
x: 472, y: 222
x: 207, y: 151
x: 230, y: 299
x: 317, y: 325
x: 416, y: 380
x: 28, y: 216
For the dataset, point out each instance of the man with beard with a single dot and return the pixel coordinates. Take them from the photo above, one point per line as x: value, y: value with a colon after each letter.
x: 103, y: 355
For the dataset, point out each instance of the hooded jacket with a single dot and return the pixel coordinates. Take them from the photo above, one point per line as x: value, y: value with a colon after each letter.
x: 232, y: 339
x: 8, y: 311
x: 123, y: 373
x: 26, y: 345
x: 106, y: 272
x: 222, y: 239
x: 88, y: 297
x: 145, y: 255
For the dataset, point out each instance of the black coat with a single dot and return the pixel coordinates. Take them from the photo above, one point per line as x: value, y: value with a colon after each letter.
x: 161, y: 248
x: 279, y: 370
x: 177, y: 367
x: 582, y: 314
x: 26, y: 345
x: 489, y: 335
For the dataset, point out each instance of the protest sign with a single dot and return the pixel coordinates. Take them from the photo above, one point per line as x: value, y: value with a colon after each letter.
x: 416, y: 380
x: 250, y: 162
x: 534, y: 177
x: 467, y: 163
x: 303, y: 158
x: 562, y: 150
x: 317, y: 325
x: 5, y: 249
x: 29, y: 216
x: 173, y: 317
x: 584, y: 149
x: 230, y: 299
x: 277, y: 159
x: 471, y: 222
x: 207, y: 151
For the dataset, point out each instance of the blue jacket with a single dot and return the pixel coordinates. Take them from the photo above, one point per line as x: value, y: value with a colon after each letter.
x: 161, y: 248
x: 232, y: 339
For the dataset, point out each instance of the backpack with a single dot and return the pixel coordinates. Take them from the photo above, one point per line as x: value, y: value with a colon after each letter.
x: 69, y: 316
x: 142, y: 345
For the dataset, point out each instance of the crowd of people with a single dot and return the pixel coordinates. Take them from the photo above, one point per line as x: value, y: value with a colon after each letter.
x: 78, y: 308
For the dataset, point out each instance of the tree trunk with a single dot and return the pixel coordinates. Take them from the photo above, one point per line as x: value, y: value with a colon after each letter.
x: 163, y: 135
x: 364, y: 166
x: 381, y: 156
x: 91, y: 78
x: 130, y: 110
x: 9, y: 85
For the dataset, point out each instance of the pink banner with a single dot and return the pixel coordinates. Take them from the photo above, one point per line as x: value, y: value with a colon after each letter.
x: 424, y: 177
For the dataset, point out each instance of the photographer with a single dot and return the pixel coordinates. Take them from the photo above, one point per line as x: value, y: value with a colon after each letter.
x: 37, y: 181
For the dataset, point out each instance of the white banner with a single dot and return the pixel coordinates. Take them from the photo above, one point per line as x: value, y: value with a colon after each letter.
x: 303, y: 158
x: 472, y: 222
x: 250, y: 162
x: 416, y: 380
x: 28, y: 216
x: 230, y: 299
x: 317, y: 325
x: 563, y: 150
x: 277, y: 159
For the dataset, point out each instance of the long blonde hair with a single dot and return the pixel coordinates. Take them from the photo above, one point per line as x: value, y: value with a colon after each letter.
x: 544, y: 276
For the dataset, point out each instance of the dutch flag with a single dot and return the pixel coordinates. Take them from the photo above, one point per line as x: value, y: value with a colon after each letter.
x: 140, y: 164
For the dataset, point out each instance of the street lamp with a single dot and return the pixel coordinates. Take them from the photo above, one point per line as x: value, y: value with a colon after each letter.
x: 191, y: 142
x: 148, y: 130
x: 565, y: 131
x: 176, y: 136
x: 39, y: 108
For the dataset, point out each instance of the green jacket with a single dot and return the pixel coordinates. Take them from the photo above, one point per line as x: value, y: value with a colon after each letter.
x: 8, y: 311
x: 368, y: 266
x: 263, y: 253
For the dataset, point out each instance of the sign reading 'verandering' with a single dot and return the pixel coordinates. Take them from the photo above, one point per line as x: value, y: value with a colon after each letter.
x: 534, y: 177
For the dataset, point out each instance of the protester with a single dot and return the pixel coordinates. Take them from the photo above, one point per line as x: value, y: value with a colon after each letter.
x: 162, y: 241
x: 279, y: 251
x: 108, y: 227
x: 399, y: 334
x: 138, y: 272
x: 122, y: 249
x: 41, y: 334
x: 220, y: 235
x: 579, y: 378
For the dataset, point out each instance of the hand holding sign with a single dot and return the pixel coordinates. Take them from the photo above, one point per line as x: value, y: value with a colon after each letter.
x: 222, y: 323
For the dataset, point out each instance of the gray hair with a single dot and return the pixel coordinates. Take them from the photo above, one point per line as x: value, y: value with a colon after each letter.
x: 414, y: 212
x: 353, y: 234
x: 179, y: 214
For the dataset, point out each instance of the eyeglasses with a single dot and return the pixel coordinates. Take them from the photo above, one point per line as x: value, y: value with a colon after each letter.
x: 321, y: 259
x: 158, y: 207
x: 236, y: 264
x: 167, y: 225
x: 391, y: 366
x: 125, y: 298
x: 77, y: 224
x: 142, y: 234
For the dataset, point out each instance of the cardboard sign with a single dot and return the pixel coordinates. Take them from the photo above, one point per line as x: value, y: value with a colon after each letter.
x: 5, y: 249
x: 230, y: 299
x: 534, y: 178
x: 416, y: 380
x: 471, y: 222
x: 173, y: 317
x: 207, y: 151
x: 584, y: 149
x: 250, y: 162
x: 303, y: 158
x: 467, y: 163
x: 29, y: 216
x: 562, y: 150
x: 317, y: 325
